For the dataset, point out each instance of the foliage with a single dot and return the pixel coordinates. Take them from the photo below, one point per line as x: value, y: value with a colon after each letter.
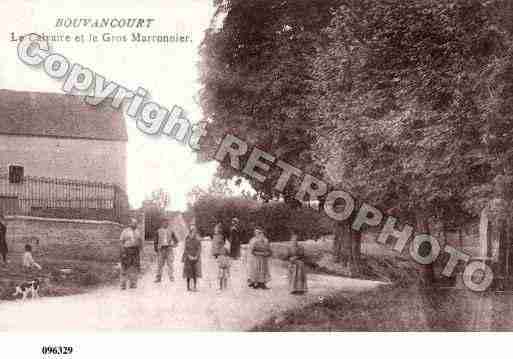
x: 277, y: 218
x: 254, y: 75
x: 414, y: 103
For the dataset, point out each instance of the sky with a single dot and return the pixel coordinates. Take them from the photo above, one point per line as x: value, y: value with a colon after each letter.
x: 167, y: 70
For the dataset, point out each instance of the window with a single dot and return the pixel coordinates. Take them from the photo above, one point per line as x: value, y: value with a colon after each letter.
x: 16, y: 174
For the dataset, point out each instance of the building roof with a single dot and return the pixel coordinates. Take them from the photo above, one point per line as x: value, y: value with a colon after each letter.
x: 58, y: 115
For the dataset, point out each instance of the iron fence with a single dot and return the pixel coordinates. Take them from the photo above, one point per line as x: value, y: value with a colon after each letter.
x: 62, y: 198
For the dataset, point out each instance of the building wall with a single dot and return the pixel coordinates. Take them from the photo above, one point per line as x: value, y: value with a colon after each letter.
x: 89, y: 160
x: 72, y: 239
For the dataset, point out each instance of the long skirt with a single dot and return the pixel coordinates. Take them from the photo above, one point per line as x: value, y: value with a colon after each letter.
x: 258, y: 269
x: 192, y: 269
x: 297, y: 277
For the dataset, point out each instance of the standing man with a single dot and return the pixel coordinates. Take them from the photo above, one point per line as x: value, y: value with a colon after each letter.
x: 235, y: 239
x: 165, y: 242
x: 131, y: 248
x: 3, y: 239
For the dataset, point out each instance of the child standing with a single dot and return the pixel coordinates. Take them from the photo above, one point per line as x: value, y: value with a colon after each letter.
x: 191, y: 259
x: 218, y: 240
x: 224, y: 263
x: 28, y: 260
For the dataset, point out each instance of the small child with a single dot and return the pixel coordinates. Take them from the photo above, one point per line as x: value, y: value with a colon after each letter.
x: 28, y: 260
x: 224, y: 263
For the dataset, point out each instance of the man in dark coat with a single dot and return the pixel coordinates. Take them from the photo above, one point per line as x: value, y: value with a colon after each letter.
x: 235, y: 239
x: 3, y: 240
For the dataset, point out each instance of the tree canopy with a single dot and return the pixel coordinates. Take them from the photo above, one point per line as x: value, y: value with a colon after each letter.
x: 414, y: 102
x: 407, y: 103
x: 255, y: 76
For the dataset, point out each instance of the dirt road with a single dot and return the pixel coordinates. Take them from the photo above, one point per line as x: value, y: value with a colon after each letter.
x: 169, y: 306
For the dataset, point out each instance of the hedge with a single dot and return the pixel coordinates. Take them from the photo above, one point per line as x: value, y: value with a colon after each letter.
x: 277, y: 218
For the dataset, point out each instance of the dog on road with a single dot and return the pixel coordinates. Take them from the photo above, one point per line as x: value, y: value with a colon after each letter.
x: 26, y: 288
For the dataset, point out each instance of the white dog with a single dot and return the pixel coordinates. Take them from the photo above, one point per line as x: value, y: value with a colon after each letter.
x: 25, y: 288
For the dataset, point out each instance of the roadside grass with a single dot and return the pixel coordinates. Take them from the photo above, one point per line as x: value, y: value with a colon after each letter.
x: 79, y: 275
x: 374, y: 311
x: 373, y: 266
x: 370, y: 311
x: 391, y: 308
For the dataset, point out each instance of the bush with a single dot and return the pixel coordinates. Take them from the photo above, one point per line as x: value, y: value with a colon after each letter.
x: 89, y: 280
x: 277, y: 218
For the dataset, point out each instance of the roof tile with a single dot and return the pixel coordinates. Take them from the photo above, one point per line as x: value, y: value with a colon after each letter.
x: 58, y: 115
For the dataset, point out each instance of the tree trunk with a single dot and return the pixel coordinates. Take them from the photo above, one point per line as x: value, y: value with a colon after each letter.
x: 338, y: 240
x: 347, y: 245
x: 426, y: 270
x: 322, y: 202
x: 356, y: 251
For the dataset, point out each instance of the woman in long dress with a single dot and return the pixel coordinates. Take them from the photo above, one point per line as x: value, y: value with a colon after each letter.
x: 297, y: 272
x: 258, y: 261
x: 191, y: 259
x: 235, y: 239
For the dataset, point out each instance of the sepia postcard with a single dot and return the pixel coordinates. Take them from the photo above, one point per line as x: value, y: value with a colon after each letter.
x: 255, y: 166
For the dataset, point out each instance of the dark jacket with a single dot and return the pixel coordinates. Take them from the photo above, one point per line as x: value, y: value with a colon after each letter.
x: 192, y: 268
x: 3, y: 240
x: 235, y: 242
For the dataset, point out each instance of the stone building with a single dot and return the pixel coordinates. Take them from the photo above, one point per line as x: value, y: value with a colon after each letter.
x: 63, y: 169
x: 60, y: 136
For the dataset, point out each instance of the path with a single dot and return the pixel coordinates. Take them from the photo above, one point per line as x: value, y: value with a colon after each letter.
x: 169, y: 306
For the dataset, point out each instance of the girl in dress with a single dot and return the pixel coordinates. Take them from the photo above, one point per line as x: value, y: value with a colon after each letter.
x: 224, y: 263
x: 218, y: 240
x: 191, y: 259
x: 28, y: 261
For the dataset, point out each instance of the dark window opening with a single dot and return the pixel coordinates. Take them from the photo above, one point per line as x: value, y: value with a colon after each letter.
x: 16, y: 174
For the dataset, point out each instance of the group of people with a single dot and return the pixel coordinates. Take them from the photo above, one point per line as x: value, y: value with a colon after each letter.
x: 258, y: 258
x: 258, y: 263
x: 132, y: 243
x: 166, y: 242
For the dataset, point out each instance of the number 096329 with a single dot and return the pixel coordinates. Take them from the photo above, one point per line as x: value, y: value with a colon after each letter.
x: 56, y: 350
